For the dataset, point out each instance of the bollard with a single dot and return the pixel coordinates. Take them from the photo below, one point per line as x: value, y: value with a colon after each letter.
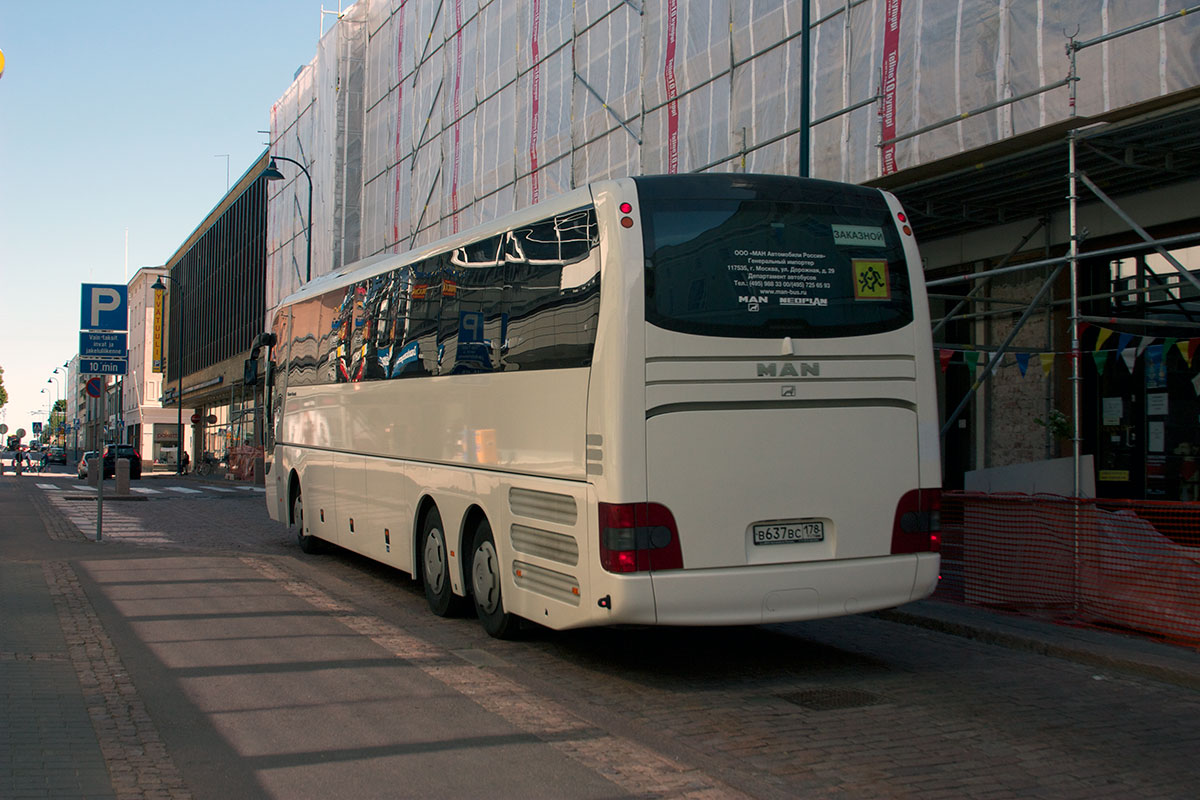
x: 95, y: 470
x: 122, y: 476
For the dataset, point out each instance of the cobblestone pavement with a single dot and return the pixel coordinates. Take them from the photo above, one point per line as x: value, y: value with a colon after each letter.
x: 857, y: 707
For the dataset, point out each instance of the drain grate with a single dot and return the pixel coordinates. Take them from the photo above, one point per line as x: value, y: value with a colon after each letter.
x: 831, y: 699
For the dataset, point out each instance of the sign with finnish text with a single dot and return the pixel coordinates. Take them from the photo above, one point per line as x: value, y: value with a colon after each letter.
x: 104, y: 345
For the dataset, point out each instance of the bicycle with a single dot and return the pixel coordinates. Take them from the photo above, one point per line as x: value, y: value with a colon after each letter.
x: 207, y: 464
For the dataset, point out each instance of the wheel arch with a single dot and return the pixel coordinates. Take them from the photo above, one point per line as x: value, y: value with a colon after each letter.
x: 424, y: 506
x: 293, y: 490
x: 466, y: 538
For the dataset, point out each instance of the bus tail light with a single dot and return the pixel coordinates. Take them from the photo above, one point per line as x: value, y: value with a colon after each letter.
x: 638, y: 537
x: 918, y: 523
x: 626, y: 221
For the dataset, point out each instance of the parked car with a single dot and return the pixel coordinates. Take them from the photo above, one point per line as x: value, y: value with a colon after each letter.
x: 115, y: 451
x: 81, y: 468
x: 56, y: 455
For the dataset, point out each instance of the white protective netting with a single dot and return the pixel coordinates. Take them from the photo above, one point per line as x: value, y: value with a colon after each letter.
x: 417, y: 118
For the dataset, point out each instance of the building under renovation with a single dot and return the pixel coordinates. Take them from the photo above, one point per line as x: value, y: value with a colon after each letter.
x: 1047, y: 152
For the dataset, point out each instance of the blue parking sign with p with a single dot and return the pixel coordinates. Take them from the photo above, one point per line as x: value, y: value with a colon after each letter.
x: 104, y: 307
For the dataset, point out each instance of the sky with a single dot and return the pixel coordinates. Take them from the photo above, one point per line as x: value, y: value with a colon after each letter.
x: 115, y: 124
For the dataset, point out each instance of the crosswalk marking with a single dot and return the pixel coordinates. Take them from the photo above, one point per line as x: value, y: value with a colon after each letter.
x: 146, y: 490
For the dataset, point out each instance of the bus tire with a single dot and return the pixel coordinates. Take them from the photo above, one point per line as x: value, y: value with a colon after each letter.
x: 486, y: 577
x: 435, y: 568
x: 308, y: 543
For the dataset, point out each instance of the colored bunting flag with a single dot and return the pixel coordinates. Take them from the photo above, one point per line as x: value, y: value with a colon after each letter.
x: 1047, y: 360
x: 1102, y: 337
x: 944, y: 357
x: 1022, y: 362
x: 1101, y: 359
x: 972, y: 362
x: 1184, y: 351
x: 1129, y: 356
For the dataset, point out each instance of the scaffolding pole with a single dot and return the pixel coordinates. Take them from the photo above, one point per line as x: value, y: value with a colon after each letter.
x: 994, y: 361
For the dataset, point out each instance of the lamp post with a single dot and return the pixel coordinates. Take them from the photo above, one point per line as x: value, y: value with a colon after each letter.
x: 272, y: 173
x: 159, y: 286
x: 57, y: 396
x: 49, y: 405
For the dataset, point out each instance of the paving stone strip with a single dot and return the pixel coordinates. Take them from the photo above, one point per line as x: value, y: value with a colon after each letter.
x: 58, y: 527
x: 624, y: 762
x: 137, y: 759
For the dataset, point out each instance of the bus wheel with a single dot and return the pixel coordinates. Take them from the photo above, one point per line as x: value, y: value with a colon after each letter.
x: 435, y: 568
x: 485, y: 586
x: 308, y: 543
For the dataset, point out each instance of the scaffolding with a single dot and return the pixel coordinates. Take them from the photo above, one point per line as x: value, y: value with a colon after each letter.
x: 1069, y: 261
x: 418, y: 118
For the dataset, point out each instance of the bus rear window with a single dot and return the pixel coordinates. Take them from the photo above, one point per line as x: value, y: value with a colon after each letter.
x: 770, y: 256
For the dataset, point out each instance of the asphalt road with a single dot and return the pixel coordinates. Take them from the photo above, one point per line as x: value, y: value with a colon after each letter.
x: 214, y: 659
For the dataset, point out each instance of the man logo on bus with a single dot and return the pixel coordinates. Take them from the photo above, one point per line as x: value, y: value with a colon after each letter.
x: 789, y: 370
x: 752, y: 302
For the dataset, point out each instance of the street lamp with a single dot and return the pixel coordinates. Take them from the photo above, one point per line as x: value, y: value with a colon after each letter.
x: 159, y: 286
x: 57, y: 391
x: 49, y: 404
x: 65, y: 370
x: 272, y: 173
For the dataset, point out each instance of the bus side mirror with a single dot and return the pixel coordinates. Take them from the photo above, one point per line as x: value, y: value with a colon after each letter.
x: 250, y: 370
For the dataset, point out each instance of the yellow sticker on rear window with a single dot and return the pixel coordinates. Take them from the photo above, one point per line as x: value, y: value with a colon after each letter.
x: 871, y: 279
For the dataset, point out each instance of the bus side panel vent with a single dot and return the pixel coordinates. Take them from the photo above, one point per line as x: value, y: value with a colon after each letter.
x: 546, y: 506
x: 546, y: 582
x: 545, y: 544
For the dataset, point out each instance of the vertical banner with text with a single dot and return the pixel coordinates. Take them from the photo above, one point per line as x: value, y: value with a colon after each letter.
x: 891, y: 60
x: 158, y: 332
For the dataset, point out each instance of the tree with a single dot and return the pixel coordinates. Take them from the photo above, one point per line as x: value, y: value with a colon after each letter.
x: 3, y: 392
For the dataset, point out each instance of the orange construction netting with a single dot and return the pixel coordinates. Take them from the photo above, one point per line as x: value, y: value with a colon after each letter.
x: 1118, y: 563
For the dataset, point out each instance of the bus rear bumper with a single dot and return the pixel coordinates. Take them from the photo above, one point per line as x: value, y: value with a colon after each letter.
x: 791, y: 592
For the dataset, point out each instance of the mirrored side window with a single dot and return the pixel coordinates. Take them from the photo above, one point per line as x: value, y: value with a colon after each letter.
x: 554, y: 290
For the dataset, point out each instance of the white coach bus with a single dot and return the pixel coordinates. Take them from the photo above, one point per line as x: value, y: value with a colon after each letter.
x: 673, y: 400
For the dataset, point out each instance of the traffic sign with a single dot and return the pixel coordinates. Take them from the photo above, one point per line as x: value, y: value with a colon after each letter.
x: 106, y: 366
x: 94, y: 387
x: 104, y: 307
x: 103, y: 345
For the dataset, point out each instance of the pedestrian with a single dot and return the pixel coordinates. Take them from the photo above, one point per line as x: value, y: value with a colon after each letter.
x: 185, y: 461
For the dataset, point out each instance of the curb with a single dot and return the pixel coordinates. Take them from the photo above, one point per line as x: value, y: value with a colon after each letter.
x: 1162, y: 662
x: 123, y: 498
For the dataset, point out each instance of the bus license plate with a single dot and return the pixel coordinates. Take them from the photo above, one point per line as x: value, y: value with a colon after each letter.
x: 789, y: 532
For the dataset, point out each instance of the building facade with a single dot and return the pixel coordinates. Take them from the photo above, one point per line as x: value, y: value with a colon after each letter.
x: 1012, y: 132
x: 214, y: 308
x: 144, y: 422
